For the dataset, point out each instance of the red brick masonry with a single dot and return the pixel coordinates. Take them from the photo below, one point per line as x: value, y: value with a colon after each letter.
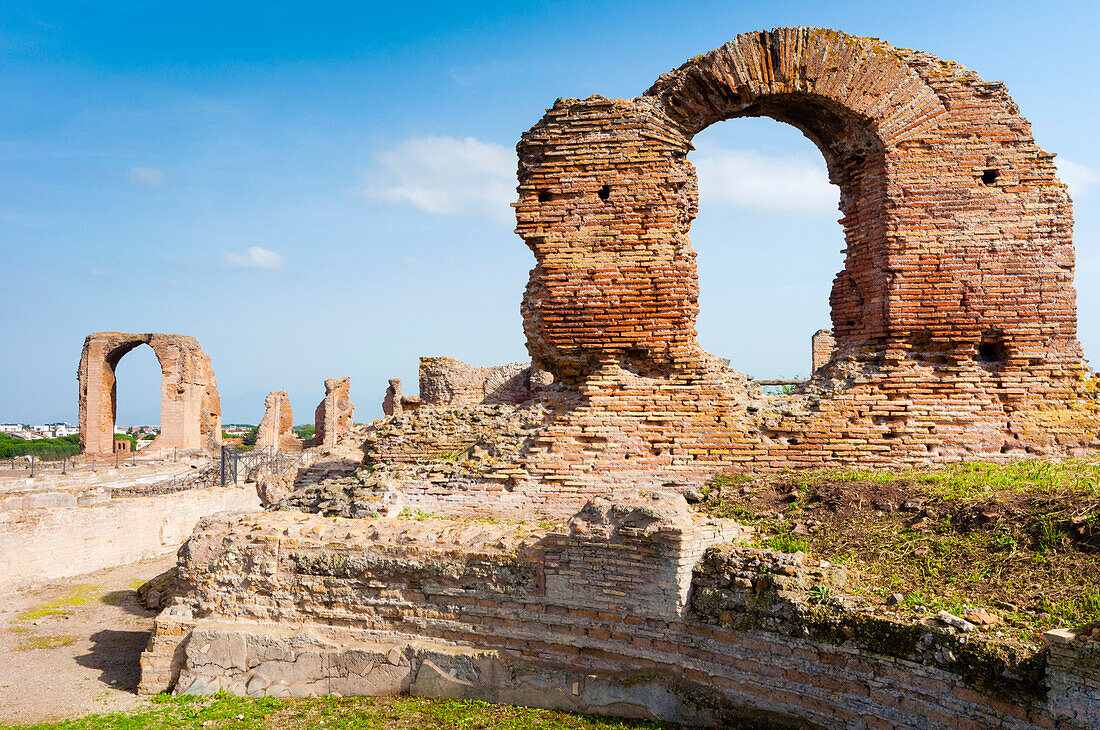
x: 954, y: 316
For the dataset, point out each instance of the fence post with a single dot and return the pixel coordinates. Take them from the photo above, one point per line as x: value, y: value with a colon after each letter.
x: 64, y: 464
x: 223, y: 465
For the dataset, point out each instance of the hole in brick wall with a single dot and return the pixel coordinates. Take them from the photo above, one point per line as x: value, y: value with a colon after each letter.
x: 990, y: 176
x: 545, y: 196
x: 992, y: 350
x: 604, y: 192
x: 137, y: 388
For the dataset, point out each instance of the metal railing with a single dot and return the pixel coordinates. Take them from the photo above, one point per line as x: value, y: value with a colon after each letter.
x: 237, y: 465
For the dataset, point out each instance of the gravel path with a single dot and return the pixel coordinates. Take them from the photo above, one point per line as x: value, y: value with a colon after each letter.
x: 72, y: 648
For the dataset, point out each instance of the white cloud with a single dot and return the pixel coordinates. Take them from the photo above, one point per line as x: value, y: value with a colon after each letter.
x: 745, y: 179
x: 148, y: 176
x: 255, y: 258
x: 445, y: 176
x: 1079, y: 178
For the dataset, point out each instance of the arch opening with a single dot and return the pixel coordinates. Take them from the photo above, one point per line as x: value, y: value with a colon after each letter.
x: 767, y: 243
x: 136, y: 395
x: 855, y: 160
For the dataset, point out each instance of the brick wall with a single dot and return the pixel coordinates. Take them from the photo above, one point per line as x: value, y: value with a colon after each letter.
x: 954, y: 317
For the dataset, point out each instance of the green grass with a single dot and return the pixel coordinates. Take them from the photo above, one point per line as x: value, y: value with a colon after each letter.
x: 1019, y: 539
x: 76, y: 596
x: 359, y: 713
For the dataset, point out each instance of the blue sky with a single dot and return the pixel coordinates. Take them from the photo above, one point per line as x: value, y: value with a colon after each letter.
x: 321, y: 190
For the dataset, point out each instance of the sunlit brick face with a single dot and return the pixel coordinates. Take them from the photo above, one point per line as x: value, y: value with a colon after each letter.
x: 956, y: 298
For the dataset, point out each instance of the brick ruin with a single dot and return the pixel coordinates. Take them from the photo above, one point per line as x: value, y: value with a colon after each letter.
x: 276, y: 429
x: 547, y: 554
x: 954, y: 316
x: 636, y: 606
x: 446, y: 381
x: 332, y: 419
x: 190, y: 410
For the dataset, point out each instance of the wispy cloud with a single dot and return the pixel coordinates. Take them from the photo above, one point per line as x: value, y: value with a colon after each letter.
x: 446, y: 176
x: 100, y: 273
x: 254, y: 258
x: 148, y: 176
x: 745, y: 179
x: 1079, y: 178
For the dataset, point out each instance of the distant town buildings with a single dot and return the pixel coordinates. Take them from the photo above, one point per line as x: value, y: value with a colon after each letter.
x: 43, y: 431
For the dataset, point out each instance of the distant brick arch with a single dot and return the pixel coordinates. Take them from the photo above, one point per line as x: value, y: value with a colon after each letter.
x: 954, y: 317
x: 190, y: 407
x: 953, y: 219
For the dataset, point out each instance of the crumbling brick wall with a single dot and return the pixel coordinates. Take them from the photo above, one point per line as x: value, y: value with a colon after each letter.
x: 445, y: 381
x: 954, y: 316
x: 332, y: 419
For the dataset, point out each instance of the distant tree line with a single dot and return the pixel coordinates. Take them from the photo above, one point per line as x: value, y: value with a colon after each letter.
x: 11, y: 446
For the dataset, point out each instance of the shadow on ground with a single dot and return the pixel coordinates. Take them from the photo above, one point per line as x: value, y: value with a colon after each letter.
x: 115, y: 655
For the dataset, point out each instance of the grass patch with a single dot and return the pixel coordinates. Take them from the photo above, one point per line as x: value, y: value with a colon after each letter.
x: 77, y: 596
x: 360, y: 713
x: 1020, y: 540
x: 31, y: 642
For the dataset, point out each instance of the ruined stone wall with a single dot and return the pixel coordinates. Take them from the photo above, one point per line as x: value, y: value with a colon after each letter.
x: 632, y: 608
x: 45, y: 540
x: 190, y: 409
x: 954, y: 316
x: 276, y: 429
x: 445, y: 381
x: 332, y: 419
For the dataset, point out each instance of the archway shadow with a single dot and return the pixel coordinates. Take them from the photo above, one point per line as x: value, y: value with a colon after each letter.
x: 116, y: 656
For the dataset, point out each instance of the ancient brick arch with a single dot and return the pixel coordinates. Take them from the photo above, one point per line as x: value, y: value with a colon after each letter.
x: 954, y: 316
x: 190, y: 409
x: 935, y: 248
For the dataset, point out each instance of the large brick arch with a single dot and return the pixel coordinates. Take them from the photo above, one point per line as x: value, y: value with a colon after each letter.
x: 933, y: 251
x: 190, y: 409
x: 956, y: 303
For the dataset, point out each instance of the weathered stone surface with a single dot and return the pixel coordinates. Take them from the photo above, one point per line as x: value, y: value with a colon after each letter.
x: 332, y: 418
x: 395, y: 403
x: 190, y: 409
x: 633, y: 607
x: 276, y: 430
x: 445, y: 381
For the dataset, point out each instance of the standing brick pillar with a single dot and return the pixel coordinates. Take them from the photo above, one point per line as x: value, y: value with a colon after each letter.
x: 332, y: 418
x: 822, y: 347
x: 276, y: 430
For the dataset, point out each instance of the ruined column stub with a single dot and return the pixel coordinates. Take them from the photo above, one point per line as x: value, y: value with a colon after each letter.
x: 332, y: 418
x: 276, y: 430
x: 190, y: 409
x: 955, y: 306
x: 822, y: 347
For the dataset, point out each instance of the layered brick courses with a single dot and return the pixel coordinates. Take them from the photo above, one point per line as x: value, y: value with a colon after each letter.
x: 954, y: 317
x: 592, y: 614
x: 276, y: 429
